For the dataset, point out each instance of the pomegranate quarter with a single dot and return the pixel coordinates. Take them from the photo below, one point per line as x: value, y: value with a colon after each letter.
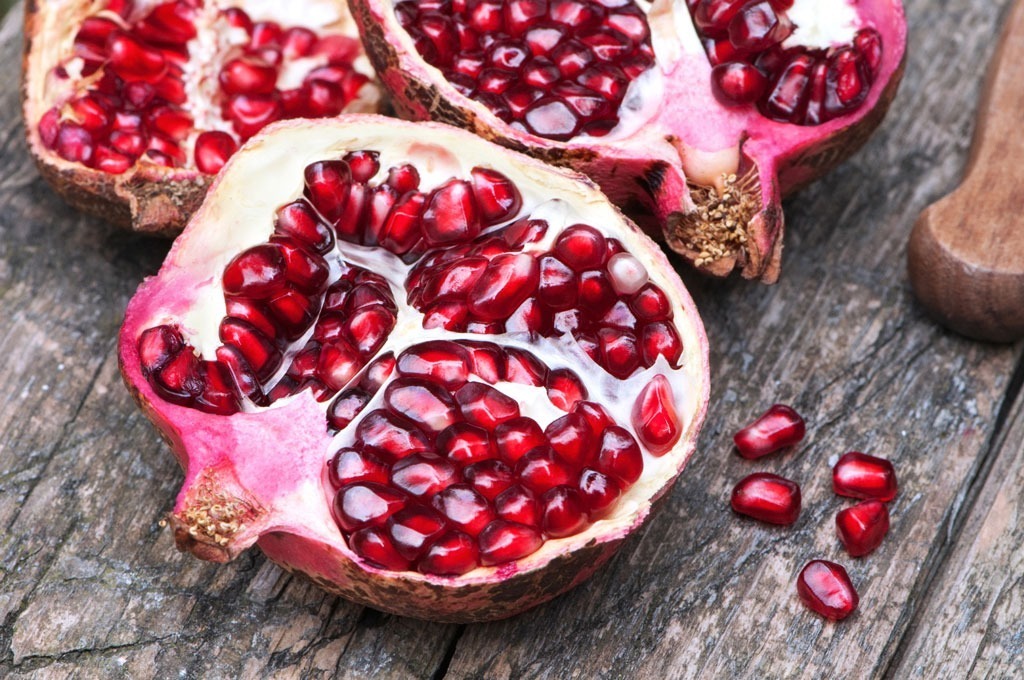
x: 130, y: 106
x: 439, y: 377
x: 703, y: 113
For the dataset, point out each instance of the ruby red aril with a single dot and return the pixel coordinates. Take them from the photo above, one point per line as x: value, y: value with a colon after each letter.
x: 825, y: 588
x: 767, y: 497
x: 777, y: 428
x: 859, y: 475
x: 408, y: 407
x: 862, y: 527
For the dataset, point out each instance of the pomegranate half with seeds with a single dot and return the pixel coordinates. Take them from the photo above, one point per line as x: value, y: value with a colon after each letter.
x: 131, y: 106
x: 439, y: 377
x: 703, y: 114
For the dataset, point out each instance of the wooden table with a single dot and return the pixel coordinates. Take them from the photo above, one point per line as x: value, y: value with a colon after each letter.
x: 90, y: 585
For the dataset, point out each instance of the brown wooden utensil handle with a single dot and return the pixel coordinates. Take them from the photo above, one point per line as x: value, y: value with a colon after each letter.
x: 966, y: 252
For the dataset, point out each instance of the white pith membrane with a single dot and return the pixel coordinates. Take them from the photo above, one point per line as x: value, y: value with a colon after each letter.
x: 60, y: 20
x: 239, y: 213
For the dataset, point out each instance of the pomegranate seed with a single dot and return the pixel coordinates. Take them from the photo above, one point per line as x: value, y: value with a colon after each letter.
x: 366, y: 504
x: 348, y: 404
x: 598, y: 493
x: 111, y: 161
x: 444, y: 362
x: 251, y: 113
x: 862, y: 527
x: 596, y: 294
x: 562, y: 512
x: 133, y: 61
x: 265, y: 33
x: 557, y: 284
x: 619, y: 456
x: 540, y: 470
x: 523, y: 368
x: 465, y: 508
x: 714, y: 16
x: 296, y: 220
x: 650, y: 304
x: 465, y: 443
x: 451, y: 215
x: 825, y: 588
x: 258, y: 351
x: 571, y: 438
x: 660, y: 339
x: 212, y: 150
x: 421, y: 402
x: 859, y: 475
x: 619, y: 352
x: 503, y: 542
x: 423, y: 475
x: 757, y: 27
x: 376, y: 547
x: 654, y: 416
x: 248, y: 75
x: 565, y: 389
x: 518, y: 436
x: 768, y: 498
x: 327, y: 186
x: 778, y: 428
x: 485, y: 406
x: 404, y: 178
x: 349, y: 466
x: 735, y: 83
x: 298, y: 42
x: 413, y: 529
x: 489, y: 477
x: 517, y: 504
x: 157, y: 346
x: 453, y: 554
x: 390, y: 436
x: 238, y: 18
x: 255, y: 273
x: 74, y: 143
x: 788, y: 94
x: 869, y: 43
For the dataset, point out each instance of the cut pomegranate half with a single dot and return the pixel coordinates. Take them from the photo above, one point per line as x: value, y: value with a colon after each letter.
x: 129, y: 106
x: 703, y: 113
x: 440, y: 377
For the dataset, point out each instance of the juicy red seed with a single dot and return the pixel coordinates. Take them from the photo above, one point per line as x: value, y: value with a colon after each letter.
x: 485, y: 406
x: 346, y: 406
x: 565, y: 389
x: 503, y: 542
x: 562, y: 512
x: 598, y: 492
x: 571, y: 438
x: 487, y: 360
x: 859, y: 475
x: 595, y: 415
x: 259, y: 352
x: 825, y: 588
x: 869, y: 43
x: 654, y: 416
x: 157, y: 346
x: 465, y: 508
x: 451, y: 215
x: 489, y: 477
x: 758, y: 27
x: 338, y: 363
x: 413, y: 529
x: 133, y: 61
x: 298, y: 221
x: 256, y: 273
x: 557, y: 284
x: 422, y: 402
x: 363, y: 164
x: 496, y: 196
x: 518, y: 436
x: 768, y: 498
x: 619, y: 456
x: 787, y: 96
x: 507, y: 281
x: 465, y: 443
x: 357, y: 506
x: 390, y: 435
x: 248, y: 75
x: 518, y: 504
x: 453, y: 554
x: 523, y: 368
x: 862, y: 527
x: 375, y: 546
x: 349, y: 466
x: 619, y: 352
x: 265, y: 33
x: 660, y: 339
x: 441, y: 361
x: 736, y: 83
x: 651, y: 304
x: 779, y: 427
x: 423, y: 475
x: 327, y: 186
x: 540, y: 470
x: 212, y: 151
x: 404, y: 178
x: 74, y: 143
x: 596, y: 294
x: 581, y: 247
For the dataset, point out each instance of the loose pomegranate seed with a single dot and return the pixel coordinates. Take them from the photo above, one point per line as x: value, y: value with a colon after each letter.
x: 768, y: 498
x: 212, y: 151
x: 859, y: 475
x: 778, y: 428
x: 862, y: 527
x: 825, y: 588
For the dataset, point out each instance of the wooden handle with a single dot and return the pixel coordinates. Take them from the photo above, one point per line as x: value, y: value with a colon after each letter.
x: 966, y: 253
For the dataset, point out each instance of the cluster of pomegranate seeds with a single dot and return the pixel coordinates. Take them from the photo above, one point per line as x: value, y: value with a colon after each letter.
x: 134, y: 104
x: 447, y: 474
x: 824, y: 587
x: 438, y: 470
x: 556, y: 69
x: 807, y: 86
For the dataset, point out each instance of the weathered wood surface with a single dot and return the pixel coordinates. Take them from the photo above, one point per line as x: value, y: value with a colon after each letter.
x: 91, y: 586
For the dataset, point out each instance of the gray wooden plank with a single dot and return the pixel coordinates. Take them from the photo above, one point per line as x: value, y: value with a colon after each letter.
x: 972, y: 625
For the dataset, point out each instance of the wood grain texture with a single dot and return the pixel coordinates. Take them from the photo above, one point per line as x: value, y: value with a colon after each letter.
x: 965, y: 258
x: 90, y: 585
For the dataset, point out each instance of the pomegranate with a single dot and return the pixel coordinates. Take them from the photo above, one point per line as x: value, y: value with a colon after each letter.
x: 825, y: 588
x: 702, y: 114
x: 439, y: 377
x: 130, y: 106
x: 778, y: 428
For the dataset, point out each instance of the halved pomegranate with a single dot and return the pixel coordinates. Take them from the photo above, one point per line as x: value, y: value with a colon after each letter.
x: 131, y: 106
x: 702, y: 113
x: 439, y: 377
